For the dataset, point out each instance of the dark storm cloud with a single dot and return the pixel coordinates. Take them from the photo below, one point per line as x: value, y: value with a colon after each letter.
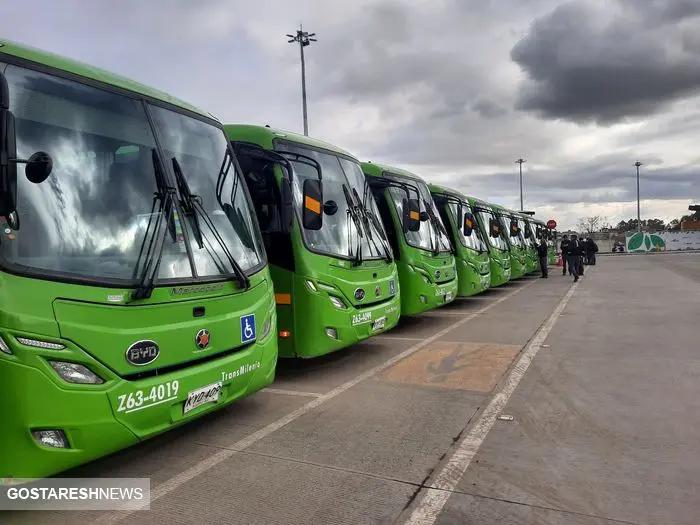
x: 606, y: 62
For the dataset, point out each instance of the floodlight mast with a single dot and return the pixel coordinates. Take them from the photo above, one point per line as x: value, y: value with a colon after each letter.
x: 304, y: 39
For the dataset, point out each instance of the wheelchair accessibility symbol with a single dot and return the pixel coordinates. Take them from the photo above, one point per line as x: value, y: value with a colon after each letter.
x: 248, y: 328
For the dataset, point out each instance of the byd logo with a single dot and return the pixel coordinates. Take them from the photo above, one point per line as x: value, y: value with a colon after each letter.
x: 142, y: 353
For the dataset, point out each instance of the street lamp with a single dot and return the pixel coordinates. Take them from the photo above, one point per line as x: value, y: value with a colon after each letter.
x: 304, y: 39
x: 520, y: 162
x: 639, y: 222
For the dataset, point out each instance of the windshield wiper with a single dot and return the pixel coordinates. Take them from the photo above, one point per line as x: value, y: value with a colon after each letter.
x: 354, y: 215
x: 165, y: 195
x: 192, y: 205
x: 367, y: 217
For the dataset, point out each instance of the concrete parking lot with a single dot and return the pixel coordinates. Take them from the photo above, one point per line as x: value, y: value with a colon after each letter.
x: 601, y: 380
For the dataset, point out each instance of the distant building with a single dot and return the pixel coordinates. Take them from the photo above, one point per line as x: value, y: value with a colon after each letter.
x: 690, y: 225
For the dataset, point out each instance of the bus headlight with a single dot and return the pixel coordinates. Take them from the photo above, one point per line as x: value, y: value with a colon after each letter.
x: 311, y: 286
x: 51, y: 438
x: 4, y: 348
x: 76, y: 373
x: 40, y: 344
x: 337, y: 302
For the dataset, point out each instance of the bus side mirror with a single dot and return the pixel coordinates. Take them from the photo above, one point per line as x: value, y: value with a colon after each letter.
x: 468, y: 226
x: 494, y: 228
x: 38, y: 167
x: 412, y: 215
x: 312, y: 214
x: 514, y: 228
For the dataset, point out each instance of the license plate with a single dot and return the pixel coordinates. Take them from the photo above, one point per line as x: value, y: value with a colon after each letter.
x: 379, y: 324
x: 448, y: 297
x: 202, y: 396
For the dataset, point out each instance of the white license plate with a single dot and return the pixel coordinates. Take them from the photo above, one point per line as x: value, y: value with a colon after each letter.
x: 379, y: 324
x: 448, y: 297
x: 202, y: 396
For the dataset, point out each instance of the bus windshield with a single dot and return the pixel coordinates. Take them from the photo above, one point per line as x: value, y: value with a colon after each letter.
x: 516, y: 240
x: 90, y: 218
x: 473, y: 241
x: 429, y: 236
x: 524, y: 228
x: 338, y: 236
x: 485, y: 217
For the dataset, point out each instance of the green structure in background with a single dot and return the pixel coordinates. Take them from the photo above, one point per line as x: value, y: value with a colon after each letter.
x: 335, y: 279
x: 514, y: 238
x: 492, y: 231
x: 417, y: 235
x: 134, y: 289
x: 471, y: 248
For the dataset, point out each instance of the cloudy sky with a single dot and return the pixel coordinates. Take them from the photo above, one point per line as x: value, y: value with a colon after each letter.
x: 453, y: 90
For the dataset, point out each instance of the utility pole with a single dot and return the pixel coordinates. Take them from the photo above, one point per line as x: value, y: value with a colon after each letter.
x: 520, y: 162
x: 304, y: 39
x: 639, y: 222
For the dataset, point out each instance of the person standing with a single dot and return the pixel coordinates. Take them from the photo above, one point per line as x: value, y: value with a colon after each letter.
x: 564, y: 248
x: 542, y: 250
x: 591, y: 249
x: 573, y: 251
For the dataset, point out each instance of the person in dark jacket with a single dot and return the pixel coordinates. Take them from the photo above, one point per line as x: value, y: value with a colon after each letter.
x: 591, y: 250
x: 574, y: 251
x: 564, y: 246
x: 542, y: 252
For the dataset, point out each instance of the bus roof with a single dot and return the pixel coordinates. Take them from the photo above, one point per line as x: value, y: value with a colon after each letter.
x: 437, y: 188
x: 265, y: 136
x: 380, y: 170
x: 87, y: 71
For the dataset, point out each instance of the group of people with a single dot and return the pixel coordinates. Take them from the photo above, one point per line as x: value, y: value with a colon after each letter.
x: 576, y: 252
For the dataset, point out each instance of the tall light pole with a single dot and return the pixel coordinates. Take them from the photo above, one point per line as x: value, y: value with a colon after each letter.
x: 304, y: 39
x: 520, y: 162
x: 639, y: 221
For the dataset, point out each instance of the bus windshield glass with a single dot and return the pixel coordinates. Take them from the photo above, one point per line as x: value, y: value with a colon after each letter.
x: 485, y: 217
x: 201, y: 151
x: 90, y: 218
x: 516, y: 240
x: 339, y: 235
x: 525, y: 227
x: 473, y: 241
x: 430, y: 235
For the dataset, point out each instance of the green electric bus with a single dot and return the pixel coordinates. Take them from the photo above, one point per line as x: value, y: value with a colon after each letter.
x: 471, y: 250
x: 134, y: 289
x: 335, y: 279
x: 550, y: 236
x: 499, y: 249
x: 424, y: 256
x: 525, y: 223
x: 515, y: 240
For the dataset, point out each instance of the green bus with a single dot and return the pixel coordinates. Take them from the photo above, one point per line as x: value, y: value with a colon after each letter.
x: 515, y: 240
x: 498, y: 247
x: 335, y: 279
x: 424, y: 256
x: 134, y: 287
x: 527, y: 230
x: 550, y: 236
x: 471, y: 250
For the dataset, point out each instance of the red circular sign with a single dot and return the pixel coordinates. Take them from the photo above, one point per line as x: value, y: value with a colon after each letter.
x: 551, y: 224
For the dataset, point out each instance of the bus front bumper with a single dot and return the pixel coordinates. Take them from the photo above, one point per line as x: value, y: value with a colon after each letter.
x: 97, y: 420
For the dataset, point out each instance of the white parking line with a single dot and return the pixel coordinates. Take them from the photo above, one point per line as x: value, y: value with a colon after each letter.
x: 290, y: 392
x: 435, y: 496
x: 212, y: 461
